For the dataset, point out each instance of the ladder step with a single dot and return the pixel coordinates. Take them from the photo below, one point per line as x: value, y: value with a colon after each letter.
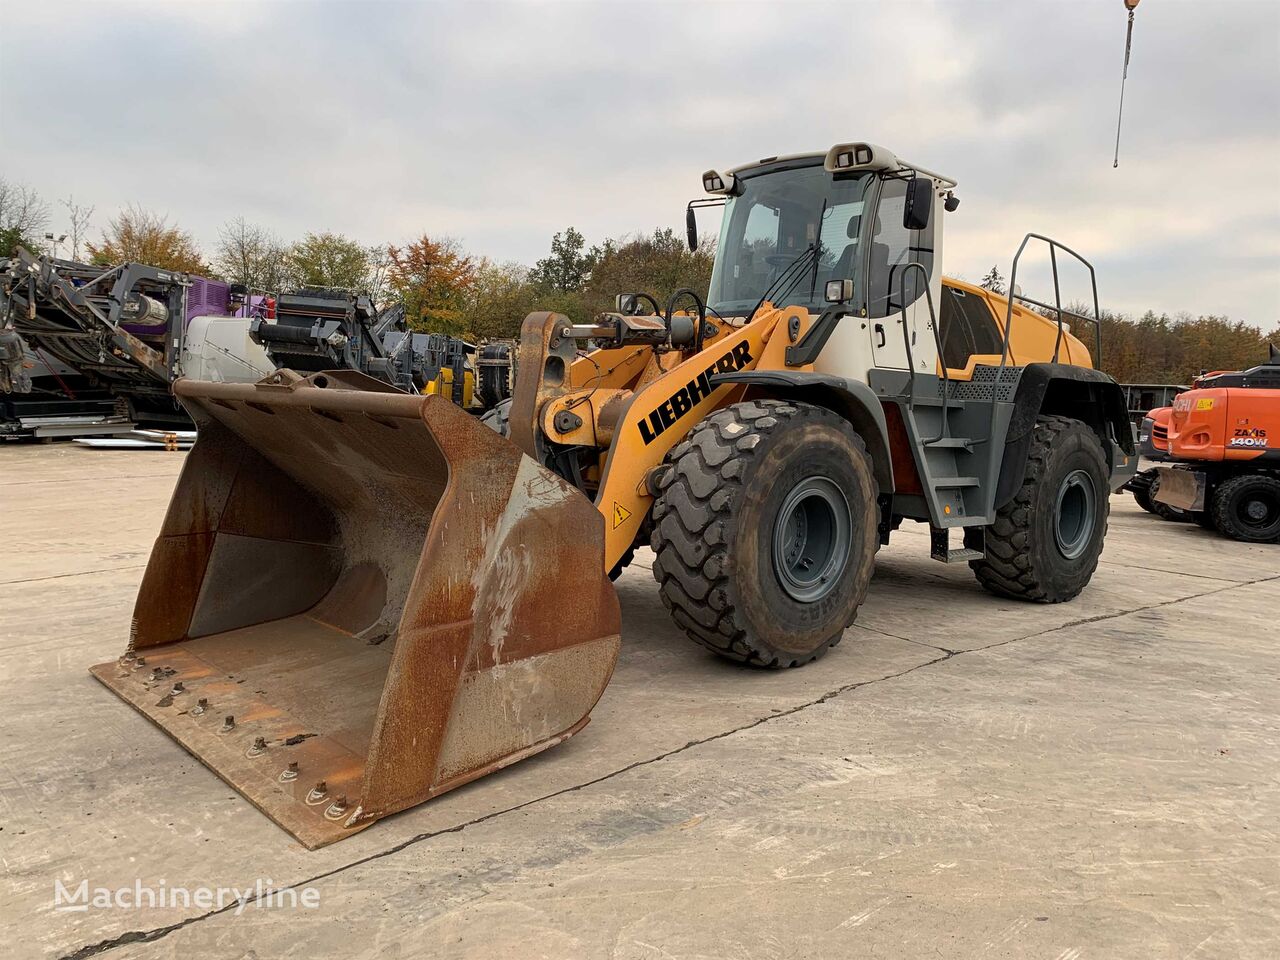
x: 951, y: 402
x: 953, y: 443
x: 940, y: 548
x: 961, y: 555
x: 955, y: 482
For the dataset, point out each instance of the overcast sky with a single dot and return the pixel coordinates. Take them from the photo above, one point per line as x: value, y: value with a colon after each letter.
x: 500, y: 124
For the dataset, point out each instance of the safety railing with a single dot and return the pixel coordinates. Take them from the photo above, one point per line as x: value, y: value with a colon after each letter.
x: 1056, y: 306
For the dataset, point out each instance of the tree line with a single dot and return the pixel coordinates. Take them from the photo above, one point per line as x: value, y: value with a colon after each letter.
x: 448, y: 289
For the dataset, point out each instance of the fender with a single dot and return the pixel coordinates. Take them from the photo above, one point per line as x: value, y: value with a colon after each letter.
x: 852, y: 399
x: 1080, y: 392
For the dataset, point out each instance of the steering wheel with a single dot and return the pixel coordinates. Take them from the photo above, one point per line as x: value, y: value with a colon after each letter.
x: 779, y: 259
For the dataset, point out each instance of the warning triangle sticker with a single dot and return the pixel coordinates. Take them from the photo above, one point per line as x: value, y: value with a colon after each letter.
x: 620, y: 514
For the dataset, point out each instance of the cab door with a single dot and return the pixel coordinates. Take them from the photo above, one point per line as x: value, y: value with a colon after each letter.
x: 891, y: 247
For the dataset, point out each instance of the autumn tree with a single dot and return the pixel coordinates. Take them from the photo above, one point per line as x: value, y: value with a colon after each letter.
x: 79, y: 215
x: 500, y: 297
x: 140, y: 236
x: 567, y: 267
x: 23, y: 217
x: 434, y: 279
x: 252, y: 255
x: 328, y: 260
x: 377, y: 281
x: 658, y: 264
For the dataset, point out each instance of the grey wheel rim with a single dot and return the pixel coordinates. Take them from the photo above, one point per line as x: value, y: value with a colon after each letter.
x: 1074, y: 518
x: 811, y: 539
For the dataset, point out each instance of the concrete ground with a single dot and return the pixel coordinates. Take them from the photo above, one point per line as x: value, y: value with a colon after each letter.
x: 962, y: 776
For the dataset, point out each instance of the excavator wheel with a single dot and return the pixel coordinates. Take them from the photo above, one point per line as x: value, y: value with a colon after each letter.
x: 1140, y: 486
x: 1203, y: 519
x: 1248, y: 508
x: 1045, y: 542
x: 765, y: 531
x: 1161, y: 509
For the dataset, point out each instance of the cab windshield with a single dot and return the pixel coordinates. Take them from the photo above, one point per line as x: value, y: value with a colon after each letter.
x: 779, y: 215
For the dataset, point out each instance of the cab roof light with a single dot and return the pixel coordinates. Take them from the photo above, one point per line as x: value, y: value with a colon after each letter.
x: 724, y: 184
x: 845, y: 157
x: 849, y: 157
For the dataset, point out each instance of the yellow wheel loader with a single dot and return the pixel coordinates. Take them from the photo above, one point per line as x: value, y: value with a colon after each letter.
x: 362, y: 598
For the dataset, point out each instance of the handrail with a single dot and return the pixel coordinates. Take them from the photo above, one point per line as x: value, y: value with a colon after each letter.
x: 1054, y: 246
x: 906, y: 340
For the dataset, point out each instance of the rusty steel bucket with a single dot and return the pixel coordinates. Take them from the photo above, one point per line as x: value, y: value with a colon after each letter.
x: 361, y: 599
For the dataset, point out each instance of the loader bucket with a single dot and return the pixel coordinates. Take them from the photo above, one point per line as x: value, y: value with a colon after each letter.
x: 361, y: 599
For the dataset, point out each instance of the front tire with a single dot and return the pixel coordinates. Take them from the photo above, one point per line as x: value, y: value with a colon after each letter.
x: 1045, y: 542
x: 1140, y: 487
x: 1248, y: 508
x: 765, y: 531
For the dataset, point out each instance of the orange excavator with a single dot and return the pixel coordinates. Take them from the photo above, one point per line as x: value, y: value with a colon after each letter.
x: 1222, y: 442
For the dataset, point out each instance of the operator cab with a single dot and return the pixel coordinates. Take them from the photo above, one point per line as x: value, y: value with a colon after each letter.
x: 794, y: 224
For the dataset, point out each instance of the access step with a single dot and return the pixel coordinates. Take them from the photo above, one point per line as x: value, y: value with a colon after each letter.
x: 940, y: 548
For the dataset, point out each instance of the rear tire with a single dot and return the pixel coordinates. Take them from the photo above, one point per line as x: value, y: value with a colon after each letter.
x: 1045, y: 542
x: 1247, y: 508
x: 765, y: 531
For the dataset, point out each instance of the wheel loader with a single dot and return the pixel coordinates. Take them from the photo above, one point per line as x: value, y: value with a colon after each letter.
x: 362, y: 598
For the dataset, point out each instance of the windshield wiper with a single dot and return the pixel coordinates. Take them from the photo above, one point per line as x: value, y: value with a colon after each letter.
x: 795, y: 272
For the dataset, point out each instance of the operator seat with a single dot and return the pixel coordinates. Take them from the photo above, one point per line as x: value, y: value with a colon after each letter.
x: 844, y: 265
x: 881, y: 280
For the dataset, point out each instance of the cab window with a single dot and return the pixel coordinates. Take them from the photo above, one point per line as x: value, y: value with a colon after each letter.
x: 892, y: 248
x: 968, y: 327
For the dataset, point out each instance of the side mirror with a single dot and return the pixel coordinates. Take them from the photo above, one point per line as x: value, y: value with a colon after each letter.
x: 919, y: 204
x: 691, y: 228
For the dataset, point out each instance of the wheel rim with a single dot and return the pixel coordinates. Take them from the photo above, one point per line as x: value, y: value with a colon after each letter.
x: 811, y: 539
x: 1258, y: 511
x: 1074, y: 519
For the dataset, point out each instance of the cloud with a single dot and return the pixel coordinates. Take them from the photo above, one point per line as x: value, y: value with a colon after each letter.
x: 499, y: 124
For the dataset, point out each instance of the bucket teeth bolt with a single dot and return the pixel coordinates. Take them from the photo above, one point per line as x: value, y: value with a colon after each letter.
x: 157, y: 674
x: 318, y: 793
x: 290, y: 773
x: 228, y: 723
x: 177, y: 688
x: 140, y: 663
x: 202, y: 705
x: 259, y: 747
x: 336, y: 809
